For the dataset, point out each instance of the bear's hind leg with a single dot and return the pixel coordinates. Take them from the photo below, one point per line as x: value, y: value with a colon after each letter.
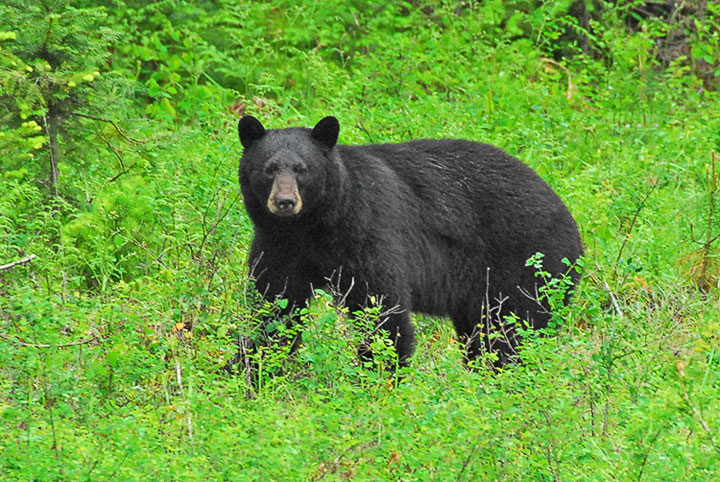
x: 470, y: 335
x: 482, y: 336
x: 401, y: 333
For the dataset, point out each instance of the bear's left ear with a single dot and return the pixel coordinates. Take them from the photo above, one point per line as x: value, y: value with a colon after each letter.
x: 249, y: 129
x: 327, y: 131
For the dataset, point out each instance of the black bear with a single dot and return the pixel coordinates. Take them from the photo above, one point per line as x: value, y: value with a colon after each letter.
x: 442, y: 227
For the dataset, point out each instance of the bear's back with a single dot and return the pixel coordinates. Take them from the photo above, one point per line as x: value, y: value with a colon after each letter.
x: 461, y: 186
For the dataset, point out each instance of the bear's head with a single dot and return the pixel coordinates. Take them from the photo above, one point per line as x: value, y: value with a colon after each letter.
x: 284, y: 171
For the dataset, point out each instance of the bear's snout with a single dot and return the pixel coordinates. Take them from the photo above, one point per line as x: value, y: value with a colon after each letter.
x: 284, y: 199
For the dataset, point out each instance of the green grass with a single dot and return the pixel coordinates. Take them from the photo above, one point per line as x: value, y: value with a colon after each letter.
x: 112, y: 338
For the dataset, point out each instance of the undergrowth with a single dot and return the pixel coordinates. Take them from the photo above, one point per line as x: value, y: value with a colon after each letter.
x: 123, y: 241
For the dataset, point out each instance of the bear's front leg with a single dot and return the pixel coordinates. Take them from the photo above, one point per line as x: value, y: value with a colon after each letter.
x: 400, y: 332
x: 393, y: 318
x: 276, y: 278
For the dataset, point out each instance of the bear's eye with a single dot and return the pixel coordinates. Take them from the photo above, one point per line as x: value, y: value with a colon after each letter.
x: 299, y: 169
x: 271, y: 169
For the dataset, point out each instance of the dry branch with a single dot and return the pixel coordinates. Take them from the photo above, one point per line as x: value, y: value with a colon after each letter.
x: 640, y: 207
x: 19, y: 261
x: 22, y: 342
x: 112, y: 123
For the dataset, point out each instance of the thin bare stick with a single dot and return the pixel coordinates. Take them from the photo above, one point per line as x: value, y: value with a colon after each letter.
x: 364, y: 129
x: 121, y: 173
x: 53, y: 149
x: 613, y: 300
x: 548, y: 451
x: 647, y: 454
x: 607, y: 409
x: 217, y: 221
x: 340, y: 298
x: 111, y: 122
x: 218, y: 207
x: 640, y: 207
x: 22, y: 342
x: 548, y: 456
x: 123, y: 169
x: 178, y: 373
x: 467, y: 461
x: 49, y: 402
x: 700, y: 418
x: 571, y: 87
x: 19, y: 261
x: 114, y: 151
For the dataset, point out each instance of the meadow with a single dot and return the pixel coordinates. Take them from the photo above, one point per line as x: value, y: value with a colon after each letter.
x: 123, y: 240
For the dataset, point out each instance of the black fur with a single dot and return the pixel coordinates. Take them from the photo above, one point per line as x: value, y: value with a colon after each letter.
x: 418, y: 224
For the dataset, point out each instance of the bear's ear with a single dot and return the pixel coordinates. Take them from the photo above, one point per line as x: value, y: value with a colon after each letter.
x: 250, y: 129
x: 327, y: 131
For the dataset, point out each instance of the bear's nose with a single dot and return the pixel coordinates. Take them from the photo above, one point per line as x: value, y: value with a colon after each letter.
x: 285, y: 203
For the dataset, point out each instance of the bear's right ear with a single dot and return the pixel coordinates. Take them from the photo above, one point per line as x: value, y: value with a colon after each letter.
x: 327, y: 131
x: 249, y: 129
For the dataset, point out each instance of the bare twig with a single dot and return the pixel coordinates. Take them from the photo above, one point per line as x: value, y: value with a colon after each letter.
x: 49, y: 402
x: 571, y: 87
x: 244, y: 362
x: 114, y: 151
x: 672, y: 34
x: 467, y: 461
x: 335, y: 285
x: 696, y: 412
x: 647, y: 454
x: 591, y: 398
x: 116, y: 176
x: 613, y: 300
x: 111, y: 122
x: 27, y: 259
x: 640, y: 207
x: 606, y: 412
x: 123, y: 170
x: 51, y: 127
x: 549, y: 448
x: 22, y: 342
x: 178, y: 373
x: 218, y: 207
x: 217, y: 221
x: 548, y: 456
x: 364, y: 129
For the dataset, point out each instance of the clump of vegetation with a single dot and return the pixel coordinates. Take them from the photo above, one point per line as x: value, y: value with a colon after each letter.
x: 123, y: 284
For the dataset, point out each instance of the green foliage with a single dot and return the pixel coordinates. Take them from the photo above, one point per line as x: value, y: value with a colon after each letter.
x: 112, y: 336
x: 555, y: 291
x: 51, y: 60
x: 52, y: 54
x: 705, y: 38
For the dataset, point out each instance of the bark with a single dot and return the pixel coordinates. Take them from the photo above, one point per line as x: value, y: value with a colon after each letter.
x: 52, y: 125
